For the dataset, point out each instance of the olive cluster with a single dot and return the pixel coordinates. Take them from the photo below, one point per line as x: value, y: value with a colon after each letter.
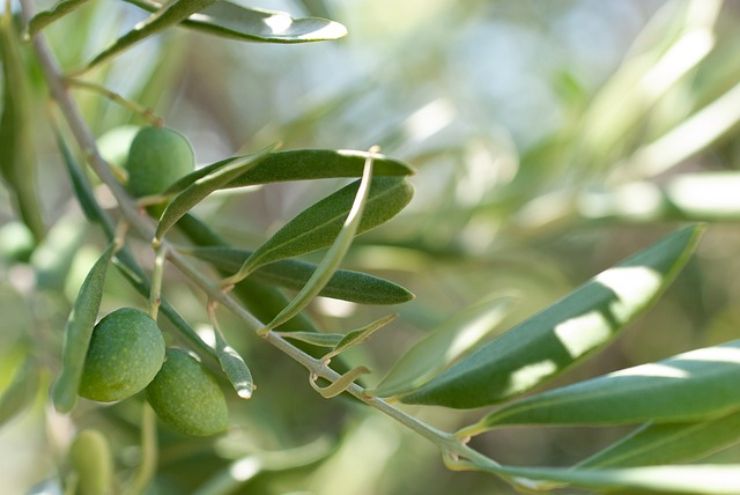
x: 127, y: 351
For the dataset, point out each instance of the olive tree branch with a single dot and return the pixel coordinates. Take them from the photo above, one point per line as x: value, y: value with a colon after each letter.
x: 449, y: 444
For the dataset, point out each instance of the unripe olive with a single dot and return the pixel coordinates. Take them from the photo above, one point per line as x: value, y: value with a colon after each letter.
x: 187, y: 397
x: 126, y: 352
x: 157, y: 158
x: 91, y: 458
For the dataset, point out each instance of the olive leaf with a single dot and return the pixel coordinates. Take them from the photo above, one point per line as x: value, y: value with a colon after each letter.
x: 666, y: 443
x: 59, y: 10
x: 318, y: 225
x: 707, y: 377
x: 444, y: 345
x: 319, y: 339
x: 201, y: 188
x: 165, y: 16
x: 234, y: 366
x: 282, y: 166
x: 77, y: 333
x: 17, y: 161
x: 21, y: 391
x: 706, y: 479
x: 360, y: 335
x: 293, y: 274
x: 563, y: 334
x: 333, y: 257
x: 231, y: 20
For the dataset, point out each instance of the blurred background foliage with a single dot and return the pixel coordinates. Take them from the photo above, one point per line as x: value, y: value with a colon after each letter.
x: 551, y: 139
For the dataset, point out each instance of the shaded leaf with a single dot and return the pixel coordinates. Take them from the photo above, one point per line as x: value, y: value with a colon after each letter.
x: 318, y: 225
x: 315, y: 338
x: 666, y: 443
x: 444, y: 345
x: 234, y: 367
x: 698, y: 384
x: 344, y: 284
x: 230, y: 20
x: 201, y: 188
x: 21, y: 391
x: 77, y: 334
x: 357, y: 337
x: 165, y: 16
x: 17, y: 161
x: 573, y: 328
x: 333, y: 257
x: 43, y: 19
x: 282, y: 166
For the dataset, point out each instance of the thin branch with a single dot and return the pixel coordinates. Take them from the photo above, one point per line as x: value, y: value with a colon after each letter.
x: 447, y: 442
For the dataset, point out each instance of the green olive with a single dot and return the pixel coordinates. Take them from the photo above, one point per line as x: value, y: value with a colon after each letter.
x: 157, y: 158
x: 126, y: 352
x: 91, y: 458
x: 187, y: 397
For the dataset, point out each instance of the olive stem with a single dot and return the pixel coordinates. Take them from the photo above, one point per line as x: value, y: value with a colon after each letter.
x: 145, y: 113
x: 149, y: 452
x: 446, y: 441
x: 155, y: 291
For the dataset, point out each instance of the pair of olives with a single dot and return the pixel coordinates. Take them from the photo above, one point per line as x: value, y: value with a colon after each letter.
x: 127, y: 355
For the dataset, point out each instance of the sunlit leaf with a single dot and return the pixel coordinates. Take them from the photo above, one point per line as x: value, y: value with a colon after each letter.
x: 281, y: 166
x: 443, y: 345
x: 705, y: 378
x: 667, y: 443
x: 568, y: 331
x: 315, y: 338
x: 230, y: 20
x: 704, y: 479
x: 234, y: 367
x: 344, y: 284
x: 360, y: 335
x: 165, y: 16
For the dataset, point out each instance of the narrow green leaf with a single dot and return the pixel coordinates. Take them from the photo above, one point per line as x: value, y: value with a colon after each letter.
x: 334, y: 256
x: 293, y: 274
x: 230, y: 20
x: 667, y: 443
x: 20, y: 392
x: 17, y: 161
x: 357, y: 337
x: 317, y: 226
x: 201, y: 188
x: 565, y: 333
x: 77, y: 334
x: 165, y: 16
x: 260, y: 299
x: 444, y: 345
x: 83, y: 190
x: 339, y: 386
x: 319, y: 339
x: 698, y: 384
x: 703, y: 479
x: 282, y: 166
x: 234, y: 367
x: 43, y: 19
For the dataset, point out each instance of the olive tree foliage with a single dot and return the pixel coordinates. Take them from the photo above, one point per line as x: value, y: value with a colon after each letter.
x: 167, y: 378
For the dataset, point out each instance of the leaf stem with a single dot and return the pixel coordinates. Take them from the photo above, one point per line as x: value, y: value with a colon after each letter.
x: 155, y: 291
x: 144, y: 112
